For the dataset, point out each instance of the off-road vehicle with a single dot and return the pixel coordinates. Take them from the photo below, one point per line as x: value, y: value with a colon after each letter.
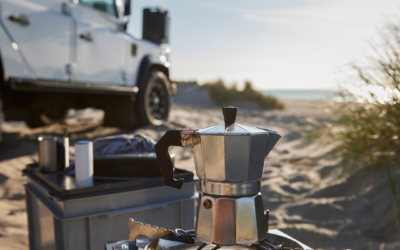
x: 61, y: 54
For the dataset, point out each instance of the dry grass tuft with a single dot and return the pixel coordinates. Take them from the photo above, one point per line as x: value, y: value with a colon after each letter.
x: 366, y: 125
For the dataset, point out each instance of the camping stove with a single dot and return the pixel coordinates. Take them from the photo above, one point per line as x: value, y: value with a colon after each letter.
x: 229, y: 160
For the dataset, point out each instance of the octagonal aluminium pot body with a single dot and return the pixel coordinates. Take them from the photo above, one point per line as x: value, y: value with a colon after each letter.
x: 235, y: 158
x: 224, y: 153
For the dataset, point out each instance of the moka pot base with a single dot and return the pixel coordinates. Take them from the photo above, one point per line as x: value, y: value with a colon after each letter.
x: 225, y: 220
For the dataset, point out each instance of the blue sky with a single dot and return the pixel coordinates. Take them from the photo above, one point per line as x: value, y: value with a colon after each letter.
x: 285, y: 44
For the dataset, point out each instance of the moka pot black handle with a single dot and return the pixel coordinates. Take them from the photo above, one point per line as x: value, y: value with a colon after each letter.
x: 170, y: 138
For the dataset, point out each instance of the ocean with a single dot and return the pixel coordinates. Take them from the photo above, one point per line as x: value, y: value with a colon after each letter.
x: 302, y: 94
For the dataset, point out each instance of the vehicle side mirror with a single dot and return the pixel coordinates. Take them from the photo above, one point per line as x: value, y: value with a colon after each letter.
x: 127, y: 8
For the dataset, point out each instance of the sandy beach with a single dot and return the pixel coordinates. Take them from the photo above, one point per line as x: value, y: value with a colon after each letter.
x: 301, y: 186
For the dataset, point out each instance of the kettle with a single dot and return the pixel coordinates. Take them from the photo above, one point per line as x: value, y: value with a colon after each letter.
x: 229, y: 160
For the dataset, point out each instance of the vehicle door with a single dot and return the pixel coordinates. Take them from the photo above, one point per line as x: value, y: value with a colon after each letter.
x: 40, y: 32
x: 101, y: 45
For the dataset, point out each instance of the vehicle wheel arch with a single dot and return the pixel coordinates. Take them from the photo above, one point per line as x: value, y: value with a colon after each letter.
x: 147, y: 65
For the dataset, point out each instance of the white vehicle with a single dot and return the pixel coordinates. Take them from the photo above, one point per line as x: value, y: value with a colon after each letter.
x: 61, y: 54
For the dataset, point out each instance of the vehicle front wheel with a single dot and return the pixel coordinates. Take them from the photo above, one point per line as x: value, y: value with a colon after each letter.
x: 154, y: 99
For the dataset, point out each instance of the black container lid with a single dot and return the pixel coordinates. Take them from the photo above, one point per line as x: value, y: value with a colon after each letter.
x: 56, y: 183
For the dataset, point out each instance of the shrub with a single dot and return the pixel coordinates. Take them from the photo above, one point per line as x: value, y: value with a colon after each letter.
x: 366, y: 127
x: 223, y: 96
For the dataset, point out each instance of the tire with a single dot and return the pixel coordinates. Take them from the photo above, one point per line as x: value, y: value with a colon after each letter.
x: 154, y: 99
x: 38, y: 117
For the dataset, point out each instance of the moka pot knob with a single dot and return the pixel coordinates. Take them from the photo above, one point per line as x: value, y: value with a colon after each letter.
x: 230, y: 113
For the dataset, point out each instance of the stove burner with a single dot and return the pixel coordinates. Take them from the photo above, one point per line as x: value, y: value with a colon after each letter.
x: 263, y: 245
x: 181, y: 232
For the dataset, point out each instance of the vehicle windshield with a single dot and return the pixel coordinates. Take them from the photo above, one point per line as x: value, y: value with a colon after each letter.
x: 107, y: 6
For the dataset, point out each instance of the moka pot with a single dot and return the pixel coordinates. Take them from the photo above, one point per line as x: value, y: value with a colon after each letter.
x: 229, y: 160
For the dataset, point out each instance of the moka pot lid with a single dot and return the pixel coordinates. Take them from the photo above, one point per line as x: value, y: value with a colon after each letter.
x: 230, y: 127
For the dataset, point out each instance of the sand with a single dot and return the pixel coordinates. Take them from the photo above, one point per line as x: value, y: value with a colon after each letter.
x: 301, y: 185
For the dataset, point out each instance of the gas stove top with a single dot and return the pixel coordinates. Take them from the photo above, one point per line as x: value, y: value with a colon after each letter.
x: 147, y: 237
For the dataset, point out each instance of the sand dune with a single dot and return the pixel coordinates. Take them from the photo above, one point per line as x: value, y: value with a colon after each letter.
x: 301, y: 185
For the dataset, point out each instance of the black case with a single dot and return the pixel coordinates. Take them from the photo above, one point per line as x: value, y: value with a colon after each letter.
x: 127, y: 165
x: 55, y: 183
x: 155, y: 25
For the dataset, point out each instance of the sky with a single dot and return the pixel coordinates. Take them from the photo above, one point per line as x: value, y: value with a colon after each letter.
x: 275, y: 44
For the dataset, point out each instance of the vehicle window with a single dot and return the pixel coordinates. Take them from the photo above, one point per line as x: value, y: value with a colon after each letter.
x: 107, y: 6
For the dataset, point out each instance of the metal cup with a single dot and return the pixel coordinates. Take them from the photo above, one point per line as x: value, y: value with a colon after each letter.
x: 53, y: 153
